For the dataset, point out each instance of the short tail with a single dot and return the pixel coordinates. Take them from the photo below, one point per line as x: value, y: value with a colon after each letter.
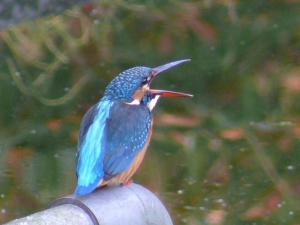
x: 84, y: 190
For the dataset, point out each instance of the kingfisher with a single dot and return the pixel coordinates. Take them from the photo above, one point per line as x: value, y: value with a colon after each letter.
x: 116, y: 132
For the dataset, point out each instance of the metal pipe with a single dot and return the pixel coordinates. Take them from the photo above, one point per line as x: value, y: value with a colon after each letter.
x: 132, y: 204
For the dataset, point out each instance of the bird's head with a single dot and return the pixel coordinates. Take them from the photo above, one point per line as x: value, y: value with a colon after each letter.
x: 133, y: 86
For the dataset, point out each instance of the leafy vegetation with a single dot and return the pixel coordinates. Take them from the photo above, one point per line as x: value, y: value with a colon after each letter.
x: 227, y: 156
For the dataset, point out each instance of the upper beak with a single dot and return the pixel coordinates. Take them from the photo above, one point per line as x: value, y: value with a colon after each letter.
x: 159, y: 69
x: 169, y: 93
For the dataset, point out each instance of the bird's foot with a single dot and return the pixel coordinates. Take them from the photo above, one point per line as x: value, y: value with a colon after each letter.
x: 128, y: 182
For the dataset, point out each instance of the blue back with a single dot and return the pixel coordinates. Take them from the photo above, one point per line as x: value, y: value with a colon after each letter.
x: 91, y: 145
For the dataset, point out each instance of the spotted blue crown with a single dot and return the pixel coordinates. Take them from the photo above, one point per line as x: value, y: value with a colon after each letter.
x: 126, y: 83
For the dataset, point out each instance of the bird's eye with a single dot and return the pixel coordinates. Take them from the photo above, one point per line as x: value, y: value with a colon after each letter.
x: 144, y: 80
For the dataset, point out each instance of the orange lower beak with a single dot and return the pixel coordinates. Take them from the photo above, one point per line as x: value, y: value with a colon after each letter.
x: 171, y: 94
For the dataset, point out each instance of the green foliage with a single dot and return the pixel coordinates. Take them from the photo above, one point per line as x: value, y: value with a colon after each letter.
x: 229, y: 154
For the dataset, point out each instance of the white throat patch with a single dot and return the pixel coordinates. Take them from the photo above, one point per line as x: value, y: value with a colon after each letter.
x: 153, y: 102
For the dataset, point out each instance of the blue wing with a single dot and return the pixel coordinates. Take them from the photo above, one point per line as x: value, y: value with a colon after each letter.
x: 91, y: 148
x: 126, y: 132
x: 111, y: 135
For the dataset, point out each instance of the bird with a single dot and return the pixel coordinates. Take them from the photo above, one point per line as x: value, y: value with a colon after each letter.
x: 115, y: 133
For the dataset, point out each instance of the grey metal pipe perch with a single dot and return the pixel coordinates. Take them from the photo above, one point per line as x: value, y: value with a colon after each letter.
x: 132, y: 204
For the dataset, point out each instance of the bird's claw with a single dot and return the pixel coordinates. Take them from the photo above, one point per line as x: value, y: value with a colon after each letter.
x: 128, y: 182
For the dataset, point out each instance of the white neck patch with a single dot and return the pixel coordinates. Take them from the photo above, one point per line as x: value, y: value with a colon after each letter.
x: 134, y: 102
x: 153, y: 102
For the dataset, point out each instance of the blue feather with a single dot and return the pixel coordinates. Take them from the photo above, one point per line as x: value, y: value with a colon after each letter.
x: 112, y: 134
x: 127, y: 132
x: 91, y: 148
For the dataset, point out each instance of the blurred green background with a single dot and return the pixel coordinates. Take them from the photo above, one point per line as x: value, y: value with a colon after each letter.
x: 230, y: 155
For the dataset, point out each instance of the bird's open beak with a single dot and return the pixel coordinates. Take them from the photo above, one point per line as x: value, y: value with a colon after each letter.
x: 160, y: 69
x: 169, y: 93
